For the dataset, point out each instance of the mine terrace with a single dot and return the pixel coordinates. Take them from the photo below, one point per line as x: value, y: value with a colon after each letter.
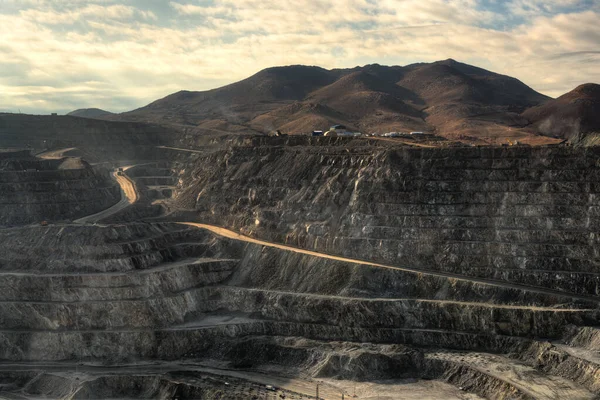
x: 168, y: 254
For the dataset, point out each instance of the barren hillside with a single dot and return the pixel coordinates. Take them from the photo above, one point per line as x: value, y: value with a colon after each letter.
x: 449, y: 98
x: 89, y: 113
x: 572, y: 114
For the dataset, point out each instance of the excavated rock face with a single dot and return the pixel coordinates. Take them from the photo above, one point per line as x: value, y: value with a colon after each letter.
x: 99, y: 140
x: 35, y: 190
x: 521, y: 215
x: 127, y: 295
x: 470, y: 267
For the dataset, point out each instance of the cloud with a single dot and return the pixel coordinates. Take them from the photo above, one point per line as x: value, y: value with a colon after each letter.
x: 533, y: 8
x: 573, y: 54
x: 93, y: 11
x: 190, y: 9
x: 122, y: 55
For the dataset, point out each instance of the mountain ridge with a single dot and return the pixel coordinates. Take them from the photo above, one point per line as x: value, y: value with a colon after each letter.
x: 570, y: 116
x: 449, y: 98
x: 89, y: 113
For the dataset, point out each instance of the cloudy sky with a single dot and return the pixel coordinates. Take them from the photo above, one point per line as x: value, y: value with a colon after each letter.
x: 59, y: 55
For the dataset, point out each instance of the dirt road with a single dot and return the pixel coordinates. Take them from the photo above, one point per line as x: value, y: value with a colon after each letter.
x: 237, y: 236
x: 533, y: 383
x: 400, y: 141
x: 299, y: 386
x: 128, y: 196
x: 180, y: 149
x: 53, y: 154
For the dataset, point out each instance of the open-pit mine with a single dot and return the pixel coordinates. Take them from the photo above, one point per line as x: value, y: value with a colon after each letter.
x: 139, y: 262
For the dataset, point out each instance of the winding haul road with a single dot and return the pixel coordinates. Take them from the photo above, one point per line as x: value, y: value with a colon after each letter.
x: 54, y: 154
x: 299, y: 386
x: 237, y: 236
x: 181, y: 149
x: 129, y: 195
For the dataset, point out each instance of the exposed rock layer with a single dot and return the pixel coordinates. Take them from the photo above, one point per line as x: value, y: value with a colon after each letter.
x: 487, y: 274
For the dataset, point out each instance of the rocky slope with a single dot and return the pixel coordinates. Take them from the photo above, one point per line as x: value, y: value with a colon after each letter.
x: 185, y: 297
x: 521, y: 215
x: 452, y: 273
x: 574, y: 115
x: 89, y: 113
x: 35, y: 190
x: 97, y: 140
x: 447, y: 97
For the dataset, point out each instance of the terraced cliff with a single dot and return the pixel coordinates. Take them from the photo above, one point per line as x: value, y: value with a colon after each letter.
x: 344, y: 265
x: 196, y: 301
x: 35, y: 190
x: 522, y: 215
x: 97, y: 140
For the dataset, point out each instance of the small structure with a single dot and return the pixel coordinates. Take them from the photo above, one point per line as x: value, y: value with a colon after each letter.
x: 340, y: 130
x: 416, y: 133
x: 277, y: 133
x: 317, y: 133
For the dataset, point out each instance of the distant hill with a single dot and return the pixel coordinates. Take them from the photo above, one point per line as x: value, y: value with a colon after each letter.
x: 89, y: 113
x: 572, y: 116
x: 94, y: 139
x: 449, y: 98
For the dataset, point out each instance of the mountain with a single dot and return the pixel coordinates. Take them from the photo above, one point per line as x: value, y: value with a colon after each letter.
x: 573, y: 114
x: 449, y: 98
x: 89, y: 113
x: 239, y: 102
x: 450, y: 81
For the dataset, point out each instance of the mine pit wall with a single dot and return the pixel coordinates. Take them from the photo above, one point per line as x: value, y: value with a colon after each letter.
x: 288, y: 271
x: 526, y: 215
x: 99, y: 140
x: 112, y: 248
x: 109, y: 312
x: 371, y: 362
x: 39, y: 190
x: 115, y: 346
x: 472, y: 380
x: 31, y: 163
x: 177, y: 308
x: 149, y: 306
x: 8, y: 154
x: 154, y: 283
x: 269, y: 283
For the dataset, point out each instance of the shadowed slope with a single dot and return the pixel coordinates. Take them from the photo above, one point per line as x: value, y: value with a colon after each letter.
x: 574, y: 113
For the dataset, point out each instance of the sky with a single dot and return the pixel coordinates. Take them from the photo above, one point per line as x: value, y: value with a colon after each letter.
x: 118, y: 55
